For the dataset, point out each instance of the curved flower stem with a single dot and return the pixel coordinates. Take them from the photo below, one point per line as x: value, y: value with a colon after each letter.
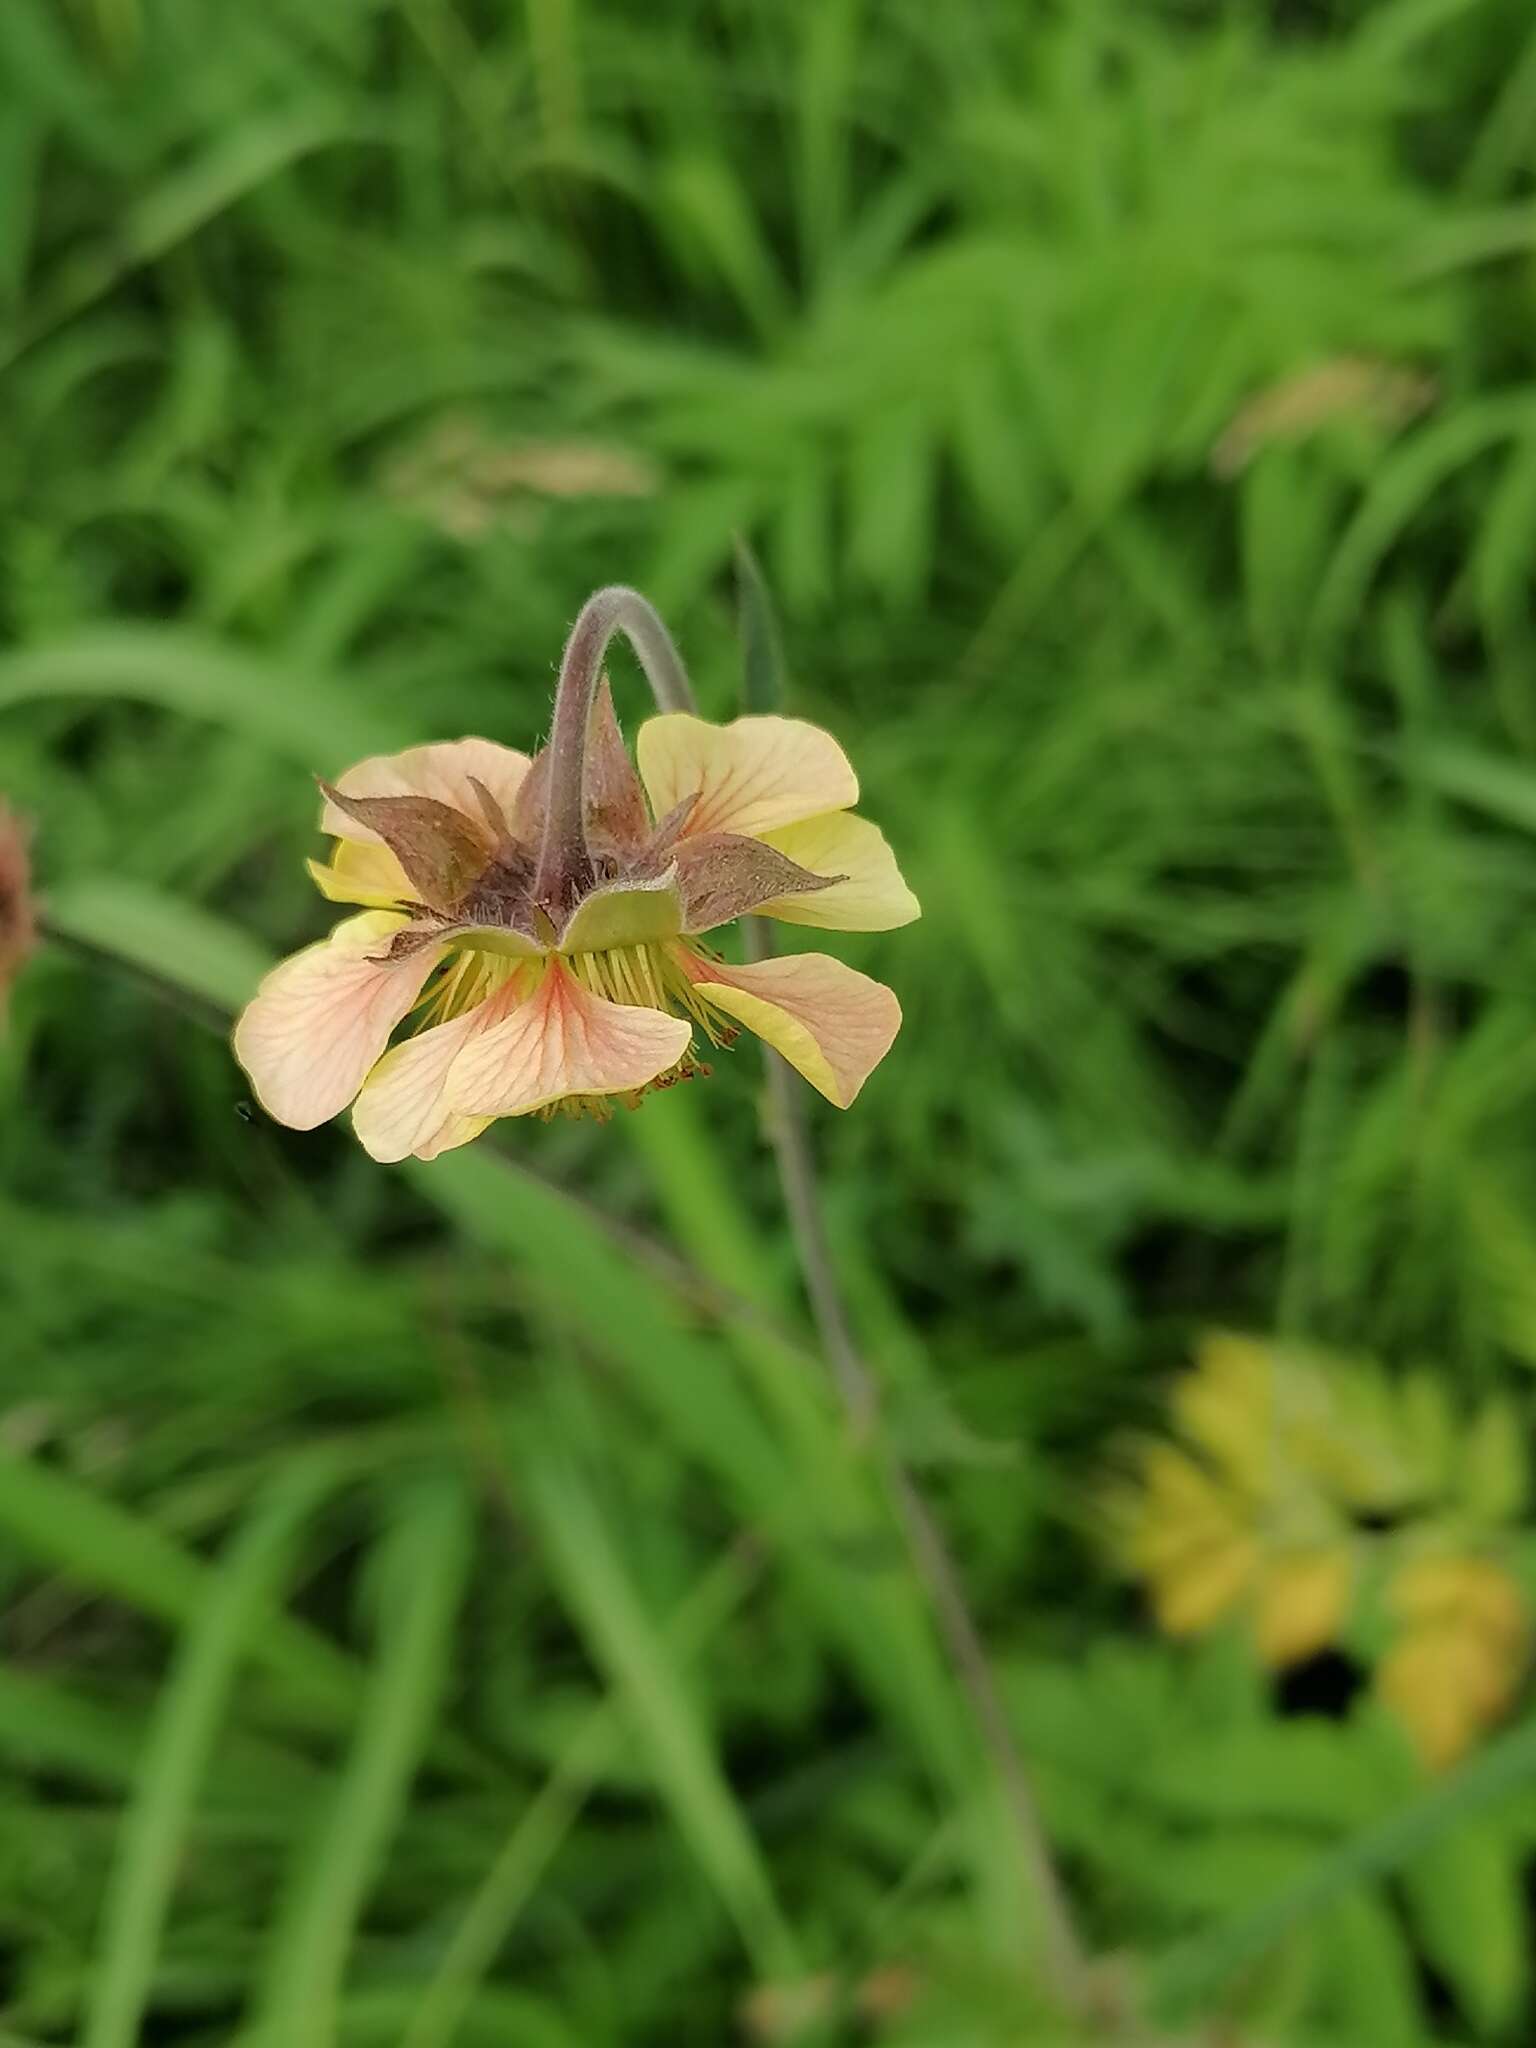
x: 565, y: 865
x: 1063, y: 1958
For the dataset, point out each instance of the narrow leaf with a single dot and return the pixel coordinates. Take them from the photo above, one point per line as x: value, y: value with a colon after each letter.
x: 762, y: 648
x: 192, y: 1705
x: 422, y: 1572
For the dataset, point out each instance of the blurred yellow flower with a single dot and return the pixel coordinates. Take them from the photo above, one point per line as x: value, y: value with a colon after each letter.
x: 1301, y: 1484
x: 1196, y: 1540
x: 543, y: 979
x: 1233, y: 1524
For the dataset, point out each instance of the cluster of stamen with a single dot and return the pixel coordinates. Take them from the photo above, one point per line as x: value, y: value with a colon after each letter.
x: 465, y: 979
x: 647, y: 976
x: 650, y: 977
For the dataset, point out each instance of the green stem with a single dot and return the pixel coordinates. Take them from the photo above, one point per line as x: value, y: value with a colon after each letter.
x: 1062, y: 1954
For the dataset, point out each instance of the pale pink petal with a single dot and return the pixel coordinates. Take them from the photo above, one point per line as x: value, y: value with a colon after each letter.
x: 830, y: 1022
x: 361, y: 874
x: 563, y: 1040
x: 320, y: 1020
x: 750, y: 776
x: 447, y: 771
x: 401, y: 1107
x: 871, y: 897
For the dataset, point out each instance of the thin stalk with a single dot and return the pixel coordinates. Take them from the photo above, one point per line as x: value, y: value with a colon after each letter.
x: 1062, y: 1951
x: 565, y: 870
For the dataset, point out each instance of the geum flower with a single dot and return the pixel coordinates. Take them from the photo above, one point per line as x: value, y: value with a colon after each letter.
x: 543, y: 922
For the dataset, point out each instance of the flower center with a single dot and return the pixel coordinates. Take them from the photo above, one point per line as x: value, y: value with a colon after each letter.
x: 649, y: 976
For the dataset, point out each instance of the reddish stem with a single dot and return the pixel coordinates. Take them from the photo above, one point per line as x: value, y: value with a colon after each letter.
x: 565, y: 872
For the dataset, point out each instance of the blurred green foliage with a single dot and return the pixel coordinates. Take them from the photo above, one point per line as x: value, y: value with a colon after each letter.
x: 433, y: 1614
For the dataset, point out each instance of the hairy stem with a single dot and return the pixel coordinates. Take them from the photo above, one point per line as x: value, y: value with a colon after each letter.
x: 1061, y: 1950
x: 565, y: 868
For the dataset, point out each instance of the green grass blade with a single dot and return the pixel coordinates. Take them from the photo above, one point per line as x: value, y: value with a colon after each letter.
x: 507, y: 1886
x: 643, y: 1666
x: 239, y: 1599
x: 103, y: 1546
x: 423, y: 1562
x: 45, y: 1725
x: 206, y: 956
x: 309, y: 718
x: 762, y: 644
x: 1401, y: 487
x: 648, y: 1329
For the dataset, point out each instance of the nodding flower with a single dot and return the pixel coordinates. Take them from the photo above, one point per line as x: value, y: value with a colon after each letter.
x: 540, y: 922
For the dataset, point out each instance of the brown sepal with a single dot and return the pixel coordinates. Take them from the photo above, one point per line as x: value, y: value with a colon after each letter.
x: 724, y: 875
x: 494, y: 815
x: 618, y: 819
x: 442, y: 852
x: 670, y: 829
x: 502, y: 896
x: 415, y: 938
x: 532, y: 801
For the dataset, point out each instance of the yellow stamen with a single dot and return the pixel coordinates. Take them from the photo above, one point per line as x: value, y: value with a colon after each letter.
x: 647, y: 977
x: 465, y: 979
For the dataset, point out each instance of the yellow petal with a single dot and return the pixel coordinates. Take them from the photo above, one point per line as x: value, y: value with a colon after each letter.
x: 872, y: 897
x: 563, y: 1040
x: 1180, y: 1488
x: 452, y: 1132
x: 1446, y: 1686
x: 1464, y: 1592
x: 1303, y: 1601
x: 320, y: 1020
x: 1456, y: 1666
x: 360, y: 873
x: 1205, y: 1585
x: 833, y: 1024
x: 1232, y: 1421
x: 749, y: 776
x: 1183, y: 1509
x: 443, y: 771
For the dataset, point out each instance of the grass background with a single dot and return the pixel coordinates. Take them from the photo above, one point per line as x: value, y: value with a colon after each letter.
x: 435, y: 1614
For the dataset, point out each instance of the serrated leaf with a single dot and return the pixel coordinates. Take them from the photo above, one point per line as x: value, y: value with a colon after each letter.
x: 1287, y: 1771
x: 1240, y: 1864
